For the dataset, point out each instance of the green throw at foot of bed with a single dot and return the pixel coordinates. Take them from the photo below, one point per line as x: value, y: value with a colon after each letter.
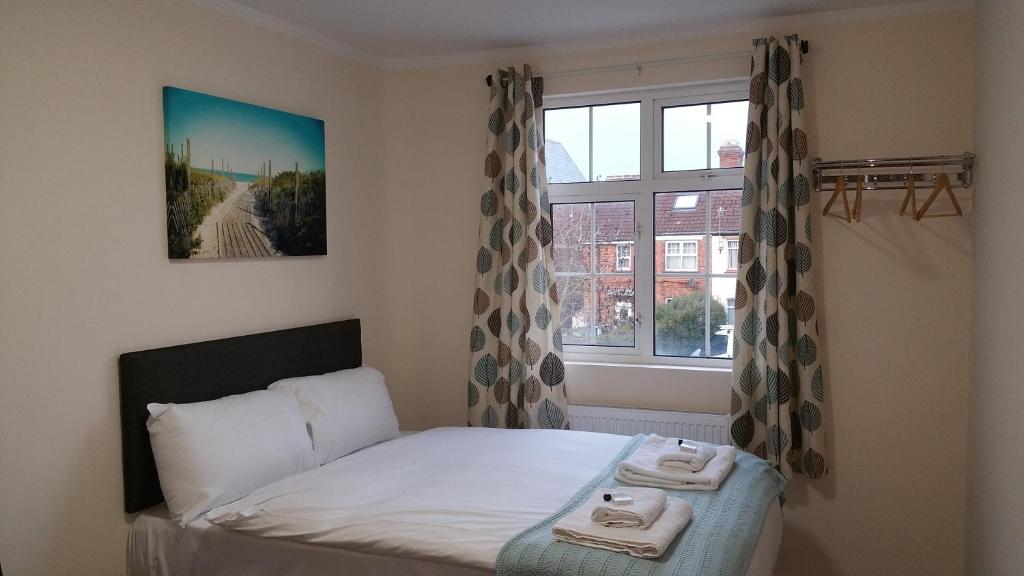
x: 719, y: 541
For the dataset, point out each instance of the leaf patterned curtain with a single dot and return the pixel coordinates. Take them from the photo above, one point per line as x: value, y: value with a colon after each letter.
x: 516, y: 374
x: 778, y: 388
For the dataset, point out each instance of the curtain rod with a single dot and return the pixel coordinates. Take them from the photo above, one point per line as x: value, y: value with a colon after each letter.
x: 805, y: 47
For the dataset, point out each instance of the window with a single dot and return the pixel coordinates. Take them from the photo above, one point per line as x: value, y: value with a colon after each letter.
x: 686, y: 201
x: 734, y: 255
x: 645, y: 190
x: 623, y: 257
x: 593, y: 143
x: 703, y: 136
x: 680, y: 256
x: 596, y: 296
x: 692, y: 290
x: 624, y: 310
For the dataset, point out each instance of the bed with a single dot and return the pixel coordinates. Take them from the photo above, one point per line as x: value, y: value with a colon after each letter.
x: 442, y: 501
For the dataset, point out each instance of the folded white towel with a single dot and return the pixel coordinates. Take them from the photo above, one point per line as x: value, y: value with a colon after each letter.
x: 578, y: 528
x: 641, y: 468
x: 647, y: 505
x: 672, y: 457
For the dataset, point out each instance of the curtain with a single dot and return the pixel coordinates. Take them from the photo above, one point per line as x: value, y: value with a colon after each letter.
x: 778, y: 389
x: 516, y: 374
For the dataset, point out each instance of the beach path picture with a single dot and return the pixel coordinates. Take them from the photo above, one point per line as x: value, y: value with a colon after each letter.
x: 242, y: 181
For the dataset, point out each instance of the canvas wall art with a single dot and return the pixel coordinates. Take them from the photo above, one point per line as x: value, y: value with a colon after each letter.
x: 242, y: 181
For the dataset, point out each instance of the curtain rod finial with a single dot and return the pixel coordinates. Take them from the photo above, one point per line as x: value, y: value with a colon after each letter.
x: 805, y: 46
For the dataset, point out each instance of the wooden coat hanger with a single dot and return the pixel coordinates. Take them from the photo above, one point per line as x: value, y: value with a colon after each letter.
x: 840, y: 191
x: 911, y: 195
x: 941, y: 183
x: 859, y: 198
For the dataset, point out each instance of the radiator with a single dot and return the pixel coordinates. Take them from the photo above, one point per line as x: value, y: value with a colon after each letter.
x: 713, y: 428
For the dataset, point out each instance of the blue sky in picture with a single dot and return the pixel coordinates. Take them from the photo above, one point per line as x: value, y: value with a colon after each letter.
x: 244, y: 135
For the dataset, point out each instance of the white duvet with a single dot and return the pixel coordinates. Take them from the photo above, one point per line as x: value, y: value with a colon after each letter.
x: 454, y: 495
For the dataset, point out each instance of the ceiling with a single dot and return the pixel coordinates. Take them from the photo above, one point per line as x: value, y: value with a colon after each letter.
x: 407, y: 29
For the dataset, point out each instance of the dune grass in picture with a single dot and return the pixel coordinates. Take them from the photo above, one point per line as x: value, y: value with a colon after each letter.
x: 242, y: 181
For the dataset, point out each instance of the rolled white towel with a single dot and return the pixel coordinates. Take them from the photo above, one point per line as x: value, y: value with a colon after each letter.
x: 647, y: 505
x: 578, y: 528
x: 672, y: 457
x: 641, y: 468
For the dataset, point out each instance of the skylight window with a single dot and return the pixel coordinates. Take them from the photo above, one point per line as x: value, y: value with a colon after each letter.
x: 686, y: 201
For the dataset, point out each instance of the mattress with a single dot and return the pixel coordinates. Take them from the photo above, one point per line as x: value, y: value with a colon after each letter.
x: 440, y: 502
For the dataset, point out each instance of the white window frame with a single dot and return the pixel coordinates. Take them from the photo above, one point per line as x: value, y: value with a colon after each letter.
x: 594, y: 351
x: 641, y: 192
x: 628, y: 257
x: 732, y: 247
x: 683, y: 255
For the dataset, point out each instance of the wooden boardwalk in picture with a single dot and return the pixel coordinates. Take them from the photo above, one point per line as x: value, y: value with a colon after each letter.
x: 233, y: 230
x: 239, y: 234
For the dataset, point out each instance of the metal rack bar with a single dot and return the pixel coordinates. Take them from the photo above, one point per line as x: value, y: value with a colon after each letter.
x: 894, y: 173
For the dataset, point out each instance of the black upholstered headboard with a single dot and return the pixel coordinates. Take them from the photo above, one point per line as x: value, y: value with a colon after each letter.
x: 213, y: 369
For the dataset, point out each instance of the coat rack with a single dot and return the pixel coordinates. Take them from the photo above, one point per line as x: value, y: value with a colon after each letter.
x: 940, y: 173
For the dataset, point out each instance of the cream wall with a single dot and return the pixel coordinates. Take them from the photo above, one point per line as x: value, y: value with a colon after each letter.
x: 996, y: 462
x: 85, y: 274
x: 896, y: 293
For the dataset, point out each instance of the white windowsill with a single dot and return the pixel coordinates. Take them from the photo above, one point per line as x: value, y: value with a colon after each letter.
x: 649, y: 366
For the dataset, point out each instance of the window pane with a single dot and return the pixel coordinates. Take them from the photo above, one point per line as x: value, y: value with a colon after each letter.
x: 623, y: 257
x: 728, y: 134
x: 615, y: 314
x: 687, y: 239
x: 680, y: 222
x: 679, y: 325
x: 598, y: 302
x: 575, y: 296
x: 617, y: 142
x: 725, y: 230
x: 685, y: 138
x: 567, y: 146
x: 704, y: 136
x: 723, y: 314
x: 678, y: 214
x: 573, y: 229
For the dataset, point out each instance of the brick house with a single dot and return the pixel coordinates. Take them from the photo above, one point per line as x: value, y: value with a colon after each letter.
x: 681, y: 248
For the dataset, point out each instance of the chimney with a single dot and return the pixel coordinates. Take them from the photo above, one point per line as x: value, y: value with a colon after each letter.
x: 730, y: 155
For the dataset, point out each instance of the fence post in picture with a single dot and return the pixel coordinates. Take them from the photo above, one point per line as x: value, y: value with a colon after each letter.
x: 188, y: 162
x: 295, y: 200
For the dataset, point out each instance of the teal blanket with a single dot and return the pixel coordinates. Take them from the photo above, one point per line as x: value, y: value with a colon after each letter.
x: 719, y: 541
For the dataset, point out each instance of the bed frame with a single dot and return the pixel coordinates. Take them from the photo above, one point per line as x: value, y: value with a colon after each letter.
x: 213, y: 369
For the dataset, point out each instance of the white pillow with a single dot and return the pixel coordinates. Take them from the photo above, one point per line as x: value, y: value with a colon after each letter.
x: 212, y: 453
x: 345, y: 410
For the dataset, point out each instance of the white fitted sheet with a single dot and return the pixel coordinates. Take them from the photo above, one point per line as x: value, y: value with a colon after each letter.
x: 439, y: 502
